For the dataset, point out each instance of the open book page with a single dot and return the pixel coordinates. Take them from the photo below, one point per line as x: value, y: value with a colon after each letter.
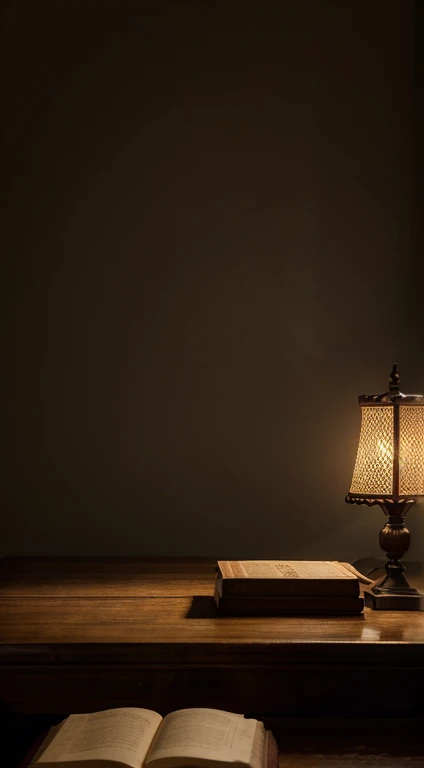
x: 207, y: 734
x: 123, y: 735
x: 284, y: 569
x: 53, y: 731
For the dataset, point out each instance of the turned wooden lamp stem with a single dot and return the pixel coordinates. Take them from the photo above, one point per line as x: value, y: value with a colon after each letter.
x: 394, y: 541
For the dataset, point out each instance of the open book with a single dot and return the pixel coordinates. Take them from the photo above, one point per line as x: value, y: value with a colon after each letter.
x: 140, y: 738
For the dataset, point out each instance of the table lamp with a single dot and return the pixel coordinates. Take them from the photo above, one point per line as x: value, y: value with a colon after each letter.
x: 389, y: 471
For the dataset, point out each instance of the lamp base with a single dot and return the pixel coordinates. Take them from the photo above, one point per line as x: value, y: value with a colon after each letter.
x: 414, y: 601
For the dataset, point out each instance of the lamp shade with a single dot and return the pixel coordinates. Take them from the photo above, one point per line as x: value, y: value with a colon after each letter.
x: 390, y: 458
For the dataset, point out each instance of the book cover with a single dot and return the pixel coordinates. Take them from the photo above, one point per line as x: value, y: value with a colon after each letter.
x: 286, y: 578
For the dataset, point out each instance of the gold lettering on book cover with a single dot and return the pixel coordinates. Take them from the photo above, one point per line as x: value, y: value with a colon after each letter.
x: 287, y: 571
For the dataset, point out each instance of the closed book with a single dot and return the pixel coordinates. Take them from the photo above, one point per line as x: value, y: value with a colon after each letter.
x: 283, y: 606
x: 286, y: 578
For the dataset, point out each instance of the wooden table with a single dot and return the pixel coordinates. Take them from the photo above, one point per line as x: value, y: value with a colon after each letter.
x: 81, y: 634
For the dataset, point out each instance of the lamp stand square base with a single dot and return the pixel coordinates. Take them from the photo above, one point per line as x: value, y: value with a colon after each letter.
x: 392, y: 602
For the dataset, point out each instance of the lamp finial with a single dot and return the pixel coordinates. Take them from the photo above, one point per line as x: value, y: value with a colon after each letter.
x: 394, y: 379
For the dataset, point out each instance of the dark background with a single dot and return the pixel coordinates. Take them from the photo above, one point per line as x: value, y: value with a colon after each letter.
x: 211, y: 248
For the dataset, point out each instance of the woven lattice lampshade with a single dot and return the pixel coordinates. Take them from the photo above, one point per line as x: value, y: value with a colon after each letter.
x: 390, y: 458
x: 389, y: 471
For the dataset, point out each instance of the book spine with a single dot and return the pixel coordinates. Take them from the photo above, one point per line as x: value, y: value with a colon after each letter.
x: 274, y: 606
x: 272, y: 751
x: 287, y: 587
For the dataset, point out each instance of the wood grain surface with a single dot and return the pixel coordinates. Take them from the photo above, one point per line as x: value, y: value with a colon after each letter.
x: 79, y: 634
x: 152, y: 600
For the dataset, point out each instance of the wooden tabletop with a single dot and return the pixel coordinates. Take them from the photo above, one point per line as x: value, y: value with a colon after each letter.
x: 145, y: 632
x: 168, y: 602
x: 84, y: 634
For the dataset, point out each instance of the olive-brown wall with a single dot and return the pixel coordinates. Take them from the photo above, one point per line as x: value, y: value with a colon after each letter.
x: 210, y: 251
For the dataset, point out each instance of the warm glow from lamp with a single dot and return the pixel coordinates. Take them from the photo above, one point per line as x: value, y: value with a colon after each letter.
x: 411, y: 450
x: 373, y: 473
x: 375, y: 460
x: 389, y: 471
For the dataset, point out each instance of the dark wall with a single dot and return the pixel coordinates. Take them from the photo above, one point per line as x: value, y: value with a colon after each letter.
x: 210, y: 242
